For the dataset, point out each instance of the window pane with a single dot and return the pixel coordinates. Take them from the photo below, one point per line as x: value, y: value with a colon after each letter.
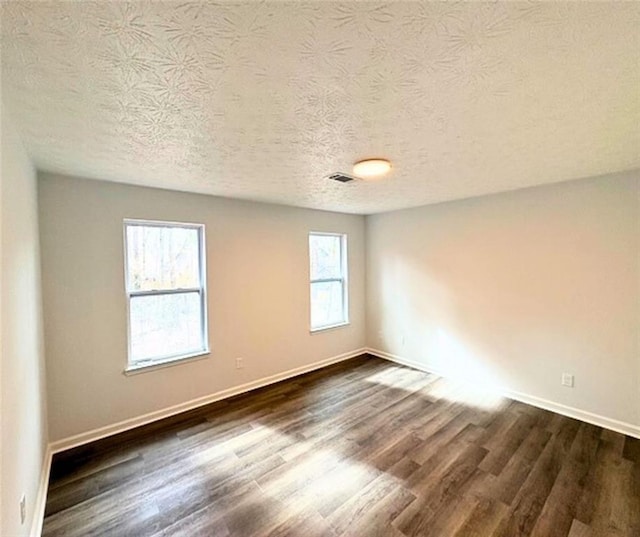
x: 162, y: 257
x: 326, y: 304
x: 165, y: 325
x: 325, y: 256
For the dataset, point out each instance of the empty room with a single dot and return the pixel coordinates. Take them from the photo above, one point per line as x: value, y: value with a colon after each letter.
x: 316, y: 268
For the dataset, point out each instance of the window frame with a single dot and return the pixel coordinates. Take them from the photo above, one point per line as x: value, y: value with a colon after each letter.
x: 343, y: 279
x: 169, y: 359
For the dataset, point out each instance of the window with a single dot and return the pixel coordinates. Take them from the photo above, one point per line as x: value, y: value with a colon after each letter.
x: 165, y: 285
x: 328, y: 260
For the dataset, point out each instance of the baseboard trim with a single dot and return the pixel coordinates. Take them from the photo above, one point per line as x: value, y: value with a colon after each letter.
x: 125, y: 425
x: 571, y: 412
x: 41, y: 499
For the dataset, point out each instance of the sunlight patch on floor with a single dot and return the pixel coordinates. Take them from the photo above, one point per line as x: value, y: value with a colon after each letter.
x: 396, y: 378
x: 228, y: 446
x: 322, y: 475
x: 465, y: 392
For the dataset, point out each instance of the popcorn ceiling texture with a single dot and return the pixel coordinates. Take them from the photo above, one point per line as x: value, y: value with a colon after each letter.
x: 261, y: 100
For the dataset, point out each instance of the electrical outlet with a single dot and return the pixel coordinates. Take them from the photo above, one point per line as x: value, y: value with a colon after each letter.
x: 23, y: 509
x: 239, y: 363
x: 567, y: 380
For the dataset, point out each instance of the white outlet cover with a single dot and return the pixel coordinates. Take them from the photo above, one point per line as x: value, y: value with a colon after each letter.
x: 567, y: 380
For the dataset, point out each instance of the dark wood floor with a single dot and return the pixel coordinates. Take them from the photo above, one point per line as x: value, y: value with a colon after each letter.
x: 363, y: 448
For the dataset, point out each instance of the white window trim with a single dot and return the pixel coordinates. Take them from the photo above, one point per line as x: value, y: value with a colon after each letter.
x: 344, y: 280
x: 174, y: 359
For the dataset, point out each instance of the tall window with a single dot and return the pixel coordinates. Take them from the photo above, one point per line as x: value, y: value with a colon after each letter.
x: 165, y: 285
x: 329, y: 294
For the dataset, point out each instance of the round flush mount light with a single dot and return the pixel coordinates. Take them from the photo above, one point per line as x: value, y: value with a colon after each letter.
x: 372, y: 168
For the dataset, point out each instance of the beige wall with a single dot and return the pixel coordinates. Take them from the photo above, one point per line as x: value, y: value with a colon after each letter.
x: 258, y: 295
x: 22, y: 386
x: 515, y: 289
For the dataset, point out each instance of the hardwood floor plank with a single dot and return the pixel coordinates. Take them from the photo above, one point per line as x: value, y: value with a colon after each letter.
x: 634, y: 499
x: 516, y: 471
x: 528, y: 504
x: 578, y: 529
x: 560, y: 508
x: 209, y: 520
x: 632, y: 449
x: 374, y: 508
x: 440, y: 487
x: 306, y: 523
x: 77, y: 491
x: 600, y: 500
x: 363, y: 448
x: 500, y: 454
x: 446, y: 427
x: 482, y: 519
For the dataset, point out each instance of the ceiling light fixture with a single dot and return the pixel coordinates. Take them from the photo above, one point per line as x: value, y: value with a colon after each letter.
x: 371, y: 168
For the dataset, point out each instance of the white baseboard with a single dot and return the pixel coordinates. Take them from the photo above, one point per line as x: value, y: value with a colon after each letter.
x: 109, y: 430
x: 571, y: 412
x: 41, y: 499
x: 102, y: 432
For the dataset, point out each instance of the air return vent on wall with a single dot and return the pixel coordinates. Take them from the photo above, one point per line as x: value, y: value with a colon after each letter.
x: 341, y: 177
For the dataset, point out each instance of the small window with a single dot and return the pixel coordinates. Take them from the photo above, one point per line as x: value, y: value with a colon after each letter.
x: 329, y: 295
x: 165, y: 285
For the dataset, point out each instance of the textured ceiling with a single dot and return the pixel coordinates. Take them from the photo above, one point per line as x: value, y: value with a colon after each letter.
x: 261, y: 100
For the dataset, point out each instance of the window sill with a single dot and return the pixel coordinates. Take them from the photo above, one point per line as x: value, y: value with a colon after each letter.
x: 166, y: 362
x: 329, y: 327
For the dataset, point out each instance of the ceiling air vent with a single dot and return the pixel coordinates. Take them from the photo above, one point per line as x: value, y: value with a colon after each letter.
x: 341, y: 177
